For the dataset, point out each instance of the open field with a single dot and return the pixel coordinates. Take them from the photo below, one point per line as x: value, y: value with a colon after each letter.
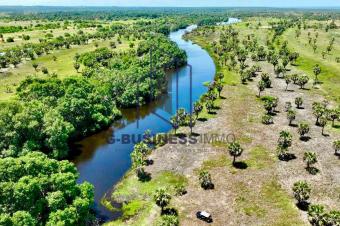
x: 63, y: 66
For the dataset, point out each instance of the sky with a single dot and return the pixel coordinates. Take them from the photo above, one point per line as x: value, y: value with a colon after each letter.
x: 178, y: 3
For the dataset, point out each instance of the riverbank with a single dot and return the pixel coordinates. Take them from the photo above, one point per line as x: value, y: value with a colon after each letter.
x: 257, y: 193
x: 105, y: 158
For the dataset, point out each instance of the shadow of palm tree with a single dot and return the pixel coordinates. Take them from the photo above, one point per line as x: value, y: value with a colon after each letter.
x: 240, y: 165
x: 312, y: 170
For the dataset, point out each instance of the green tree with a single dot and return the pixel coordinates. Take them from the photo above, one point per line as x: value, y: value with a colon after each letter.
x: 322, y: 123
x: 162, y: 198
x: 298, y: 102
x: 76, y: 66
x: 291, y: 115
x: 336, y: 146
x: 301, y: 191
x: 303, y: 129
x: 288, y: 80
x: 219, y: 87
x: 205, y: 180
x: 36, y: 189
x: 318, y: 111
x: 198, y: 107
x: 302, y: 81
x: 235, y: 150
x: 333, y: 114
x: 44, y: 70
x: 261, y: 87
x: 23, y: 218
x: 310, y: 159
x: 35, y: 66
x: 316, y: 215
x: 285, y: 139
x: 316, y: 71
x: 209, y: 105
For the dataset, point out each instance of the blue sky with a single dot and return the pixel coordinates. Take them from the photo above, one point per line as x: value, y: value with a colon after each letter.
x: 197, y: 3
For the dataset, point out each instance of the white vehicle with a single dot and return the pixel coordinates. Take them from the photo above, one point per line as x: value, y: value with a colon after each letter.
x: 205, y: 216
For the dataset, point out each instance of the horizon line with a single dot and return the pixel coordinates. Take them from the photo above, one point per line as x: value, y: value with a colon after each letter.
x: 149, y: 6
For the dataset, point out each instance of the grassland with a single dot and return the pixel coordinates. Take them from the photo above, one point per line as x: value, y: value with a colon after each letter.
x: 137, y: 197
x: 258, y: 192
x: 11, y: 77
x: 308, y: 58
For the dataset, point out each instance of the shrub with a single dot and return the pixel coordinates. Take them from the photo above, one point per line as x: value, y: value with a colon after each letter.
x: 301, y: 191
x: 303, y: 129
x: 298, y: 102
x: 169, y: 220
x: 180, y: 190
x: 44, y: 70
x: 291, y: 115
x: 267, y: 119
x: 10, y: 39
x: 205, y: 180
x: 336, y: 146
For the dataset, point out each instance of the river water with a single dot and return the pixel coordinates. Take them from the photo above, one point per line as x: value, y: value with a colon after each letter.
x: 103, y: 162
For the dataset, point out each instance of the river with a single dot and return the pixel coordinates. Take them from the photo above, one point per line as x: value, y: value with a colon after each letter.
x: 103, y: 162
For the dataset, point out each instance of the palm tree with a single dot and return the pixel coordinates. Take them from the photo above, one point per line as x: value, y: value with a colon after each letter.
x: 303, y: 129
x: 287, y: 80
x: 310, y: 159
x: 322, y: 123
x: 316, y: 71
x: 336, y: 146
x: 285, y: 139
x: 298, y: 102
x: 162, y: 198
x: 76, y: 66
x: 261, y: 86
x: 333, y: 114
x: 301, y: 191
x: 318, y: 111
x: 235, y: 150
x: 209, y: 105
x: 291, y: 115
x: 35, y: 66
x: 198, y: 107
x: 175, y: 123
x: 316, y: 215
x: 205, y: 180
x: 219, y: 87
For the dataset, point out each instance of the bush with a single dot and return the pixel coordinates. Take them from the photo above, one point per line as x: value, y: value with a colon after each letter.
x: 205, y: 180
x: 44, y: 70
x: 10, y: 39
x: 169, y: 220
x: 267, y: 119
x: 180, y: 190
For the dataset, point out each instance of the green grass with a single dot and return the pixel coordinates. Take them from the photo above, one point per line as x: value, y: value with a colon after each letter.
x: 137, y: 196
x: 219, y: 161
x: 131, y: 208
x: 277, y: 198
x: 330, y: 68
x: 130, y: 186
x: 63, y: 66
x: 260, y: 158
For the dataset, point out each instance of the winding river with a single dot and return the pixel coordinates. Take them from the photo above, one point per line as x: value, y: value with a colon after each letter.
x: 104, y: 158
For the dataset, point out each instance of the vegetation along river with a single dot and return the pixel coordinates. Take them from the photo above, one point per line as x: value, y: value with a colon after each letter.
x: 104, y: 158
